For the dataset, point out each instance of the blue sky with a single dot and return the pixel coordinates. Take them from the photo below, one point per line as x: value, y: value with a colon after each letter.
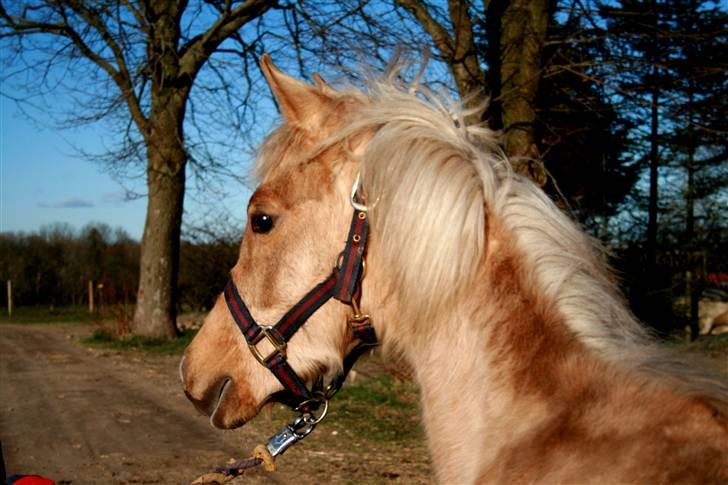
x: 43, y: 180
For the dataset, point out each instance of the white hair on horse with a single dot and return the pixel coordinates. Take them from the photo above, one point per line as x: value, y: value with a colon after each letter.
x: 433, y: 184
x: 531, y: 366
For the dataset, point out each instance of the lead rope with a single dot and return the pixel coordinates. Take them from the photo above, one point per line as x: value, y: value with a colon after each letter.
x: 266, y: 454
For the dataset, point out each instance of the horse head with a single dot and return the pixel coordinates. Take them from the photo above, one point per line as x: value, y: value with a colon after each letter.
x: 297, y: 225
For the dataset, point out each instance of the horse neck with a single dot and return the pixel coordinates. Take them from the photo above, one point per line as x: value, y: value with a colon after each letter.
x: 493, y: 365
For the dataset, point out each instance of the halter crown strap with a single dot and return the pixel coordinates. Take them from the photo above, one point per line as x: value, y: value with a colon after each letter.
x: 341, y: 284
x: 352, y: 262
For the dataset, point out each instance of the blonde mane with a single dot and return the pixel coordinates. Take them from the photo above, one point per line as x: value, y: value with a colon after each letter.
x: 433, y: 183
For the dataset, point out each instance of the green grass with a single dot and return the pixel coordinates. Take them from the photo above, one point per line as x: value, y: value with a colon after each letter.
x: 376, y: 410
x: 711, y: 344
x: 47, y: 315
x: 103, y: 338
x: 379, y: 409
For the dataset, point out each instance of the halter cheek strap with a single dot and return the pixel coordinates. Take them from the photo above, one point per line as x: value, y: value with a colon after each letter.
x: 343, y: 284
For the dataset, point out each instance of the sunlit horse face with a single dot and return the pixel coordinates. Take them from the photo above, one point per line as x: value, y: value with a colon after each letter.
x: 298, y: 220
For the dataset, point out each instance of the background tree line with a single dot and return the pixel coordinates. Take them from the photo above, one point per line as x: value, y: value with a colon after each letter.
x: 615, y: 107
x: 52, y: 267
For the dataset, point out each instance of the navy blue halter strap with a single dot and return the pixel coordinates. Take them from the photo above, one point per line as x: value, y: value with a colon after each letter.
x: 343, y: 284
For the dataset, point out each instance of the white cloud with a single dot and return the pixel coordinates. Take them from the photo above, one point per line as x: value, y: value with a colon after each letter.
x: 70, y: 203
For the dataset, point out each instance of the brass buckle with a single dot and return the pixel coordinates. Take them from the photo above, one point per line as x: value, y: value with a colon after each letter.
x: 279, y: 347
x: 358, y: 320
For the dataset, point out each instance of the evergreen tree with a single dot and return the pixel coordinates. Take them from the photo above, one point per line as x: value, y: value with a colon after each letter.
x: 674, y: 89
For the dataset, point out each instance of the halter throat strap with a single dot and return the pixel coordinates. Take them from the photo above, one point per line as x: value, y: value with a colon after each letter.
x: 343, y: 284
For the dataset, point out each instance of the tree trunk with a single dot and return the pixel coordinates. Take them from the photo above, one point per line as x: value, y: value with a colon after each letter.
x: 463, y: 61
x: 604, y: 230
x: 523, y: 32
x: 693, y: 286
x: 654, y: 164
x: 155, y: 312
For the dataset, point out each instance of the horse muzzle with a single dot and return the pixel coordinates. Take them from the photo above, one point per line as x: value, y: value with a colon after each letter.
x: 219, y: 398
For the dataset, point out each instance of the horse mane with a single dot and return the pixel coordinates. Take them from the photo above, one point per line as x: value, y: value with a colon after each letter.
x: 432, y: 183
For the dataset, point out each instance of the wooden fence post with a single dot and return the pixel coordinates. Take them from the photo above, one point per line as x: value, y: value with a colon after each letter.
x: 100, y: 287
x: 90, y: 296
x: 10, y: 299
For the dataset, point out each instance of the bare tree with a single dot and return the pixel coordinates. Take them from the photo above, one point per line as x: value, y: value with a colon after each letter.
x: 516, y: 33
x: 492, y: 52
x: 522, y: 35
x: 142, y: 59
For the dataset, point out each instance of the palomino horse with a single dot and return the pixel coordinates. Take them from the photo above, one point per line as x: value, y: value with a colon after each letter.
x: 531, y: 367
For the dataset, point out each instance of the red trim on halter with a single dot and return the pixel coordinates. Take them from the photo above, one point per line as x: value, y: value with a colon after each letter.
x: 353, y: 257
x: 306, y: 306
x: 240, y: 312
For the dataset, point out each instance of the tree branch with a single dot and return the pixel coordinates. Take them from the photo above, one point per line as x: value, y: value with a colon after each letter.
x: 459, y: 53
x: 439, y: 34
x: 196, y: 51
x: 20, y: 26
x: 122, y: 77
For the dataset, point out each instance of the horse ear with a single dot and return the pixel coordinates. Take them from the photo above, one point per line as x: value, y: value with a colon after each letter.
x: 301, y: 104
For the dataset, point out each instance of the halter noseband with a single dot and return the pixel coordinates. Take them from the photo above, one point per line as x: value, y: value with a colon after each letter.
x: 343, y: 284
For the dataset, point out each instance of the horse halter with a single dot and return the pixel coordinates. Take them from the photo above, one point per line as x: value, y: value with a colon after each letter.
x: 344, y: 284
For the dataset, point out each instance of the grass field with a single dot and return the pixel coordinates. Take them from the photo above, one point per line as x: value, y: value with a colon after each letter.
x: 45, y: 314
x: 106, y: 339
x: 711, y: 345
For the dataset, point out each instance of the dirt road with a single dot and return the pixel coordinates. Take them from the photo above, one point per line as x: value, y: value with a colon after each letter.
x: 83, y: 415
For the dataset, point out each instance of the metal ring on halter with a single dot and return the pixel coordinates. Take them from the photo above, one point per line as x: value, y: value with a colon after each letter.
x: 318, y: 398
x: 340, y: 259
x: 354, y: 189
x: 300, y: 428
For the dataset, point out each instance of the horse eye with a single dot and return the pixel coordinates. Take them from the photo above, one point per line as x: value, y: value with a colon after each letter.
x: 261, y: 223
